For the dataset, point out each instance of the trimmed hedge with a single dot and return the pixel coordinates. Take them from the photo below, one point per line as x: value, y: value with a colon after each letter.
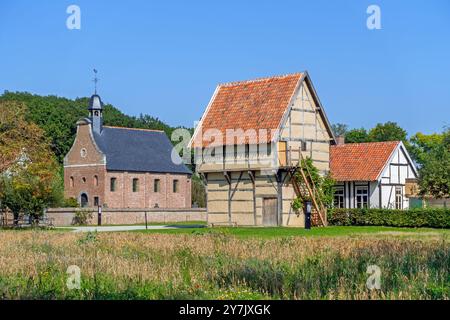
x: 433, y: 218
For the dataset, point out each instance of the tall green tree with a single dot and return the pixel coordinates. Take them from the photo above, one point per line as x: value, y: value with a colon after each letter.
x: 389, y: 131
x: 29, y: 179
x: 357, y: 136
x: 57, y: 116
x: 421, y: 144
x: 339, y: 129
x: 432, y: 152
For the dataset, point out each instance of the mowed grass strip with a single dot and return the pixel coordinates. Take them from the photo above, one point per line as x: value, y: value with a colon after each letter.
x: 218, y: 265
x: 275, y: 232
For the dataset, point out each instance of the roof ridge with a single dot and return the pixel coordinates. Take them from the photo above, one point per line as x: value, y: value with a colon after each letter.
x: 365, y: 143
x: 233, y: 83
x: 137, y: 129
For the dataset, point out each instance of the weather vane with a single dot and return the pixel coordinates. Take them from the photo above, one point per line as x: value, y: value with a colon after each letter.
x: 95, y: 80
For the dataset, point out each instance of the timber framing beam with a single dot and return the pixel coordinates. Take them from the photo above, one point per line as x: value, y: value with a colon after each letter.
x: 279, y: 177
x: 231, y: 192
x: 253, y: 178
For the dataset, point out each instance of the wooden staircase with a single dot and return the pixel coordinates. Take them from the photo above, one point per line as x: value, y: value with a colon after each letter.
x: 307, y: 191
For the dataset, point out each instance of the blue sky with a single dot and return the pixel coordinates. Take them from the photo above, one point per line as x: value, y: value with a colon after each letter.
x: 165, y: 58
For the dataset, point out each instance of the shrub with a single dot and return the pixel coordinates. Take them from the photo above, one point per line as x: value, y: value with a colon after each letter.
x: 82, y: 217
x: 70, y: 203
x: 413, y: 218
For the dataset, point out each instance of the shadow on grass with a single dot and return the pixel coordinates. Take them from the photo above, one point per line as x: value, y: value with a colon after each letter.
x: 187, y: 226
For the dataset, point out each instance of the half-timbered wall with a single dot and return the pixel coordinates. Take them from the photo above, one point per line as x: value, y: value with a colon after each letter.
x: 382, y: 192
x: 247, y: 203
x: 304, y: 123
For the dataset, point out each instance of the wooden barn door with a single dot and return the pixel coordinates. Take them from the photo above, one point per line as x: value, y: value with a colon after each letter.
x: 270, y: 212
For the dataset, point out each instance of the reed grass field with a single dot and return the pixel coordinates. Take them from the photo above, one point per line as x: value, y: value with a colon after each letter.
x: 33, y: 265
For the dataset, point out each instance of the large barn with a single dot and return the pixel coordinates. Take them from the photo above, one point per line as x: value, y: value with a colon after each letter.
x: 247, y: 143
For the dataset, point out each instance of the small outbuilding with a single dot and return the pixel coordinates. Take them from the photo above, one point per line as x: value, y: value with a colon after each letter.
x: 371, y: 175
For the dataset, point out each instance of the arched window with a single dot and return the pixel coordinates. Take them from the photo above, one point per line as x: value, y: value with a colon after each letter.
x: 96, y: 180
x: 84, y: 200
x: 83, y: 179
x: 135, y: 185
x: 71, y: 182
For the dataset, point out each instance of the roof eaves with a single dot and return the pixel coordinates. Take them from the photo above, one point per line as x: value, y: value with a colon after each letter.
x: 321, y: 108
x: 413, y: 165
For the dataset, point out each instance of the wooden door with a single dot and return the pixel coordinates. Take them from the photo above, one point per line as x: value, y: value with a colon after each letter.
x: 270, y: 212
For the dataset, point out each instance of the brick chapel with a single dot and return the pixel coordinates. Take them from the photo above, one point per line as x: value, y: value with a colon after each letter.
x: 117, y: 167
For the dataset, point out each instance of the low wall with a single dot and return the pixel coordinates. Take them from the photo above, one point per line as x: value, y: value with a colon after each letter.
x: 64, y: 216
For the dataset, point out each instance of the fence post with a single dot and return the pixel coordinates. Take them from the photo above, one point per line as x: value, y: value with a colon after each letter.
x: 99, y: 221
x: 146, y: 226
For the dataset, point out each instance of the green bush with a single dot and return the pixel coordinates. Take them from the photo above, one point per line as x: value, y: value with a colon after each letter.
x: 413, y: 218
x: 70, y: 203
x: 82, y: 217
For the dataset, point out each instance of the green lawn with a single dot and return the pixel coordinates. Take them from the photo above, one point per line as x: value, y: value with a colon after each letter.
x: 199, y: 228
x: 314, y: 232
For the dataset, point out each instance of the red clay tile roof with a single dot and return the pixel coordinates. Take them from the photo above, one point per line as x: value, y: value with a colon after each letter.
x: 255, y: 104
x: 360, y: 161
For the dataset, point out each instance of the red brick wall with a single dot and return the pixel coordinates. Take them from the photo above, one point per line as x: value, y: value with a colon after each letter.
x: 88, y: 187
x: 78, y: 167
x: 145, y: 197
x: 93, y: 164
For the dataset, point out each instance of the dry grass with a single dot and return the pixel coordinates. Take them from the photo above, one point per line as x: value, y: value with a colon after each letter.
x: 33, y: 264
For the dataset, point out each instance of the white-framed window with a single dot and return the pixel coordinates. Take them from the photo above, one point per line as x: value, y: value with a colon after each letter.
x: 362, y: 197
x: 339, y: 200
x: 398, y: 198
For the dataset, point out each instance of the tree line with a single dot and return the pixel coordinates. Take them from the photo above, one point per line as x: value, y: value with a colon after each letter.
x: 57, y: 117
x: 36, y: 132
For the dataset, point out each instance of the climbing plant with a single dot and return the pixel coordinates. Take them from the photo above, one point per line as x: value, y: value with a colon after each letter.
x: 324, y: 185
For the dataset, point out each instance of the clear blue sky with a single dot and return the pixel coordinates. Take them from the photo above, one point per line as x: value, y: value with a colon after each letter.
x: 165, y: 58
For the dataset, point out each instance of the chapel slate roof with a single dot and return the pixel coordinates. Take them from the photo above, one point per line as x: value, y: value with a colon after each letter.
x: 137, y: 150
x: 254, y: 104
x: 360, y: 161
